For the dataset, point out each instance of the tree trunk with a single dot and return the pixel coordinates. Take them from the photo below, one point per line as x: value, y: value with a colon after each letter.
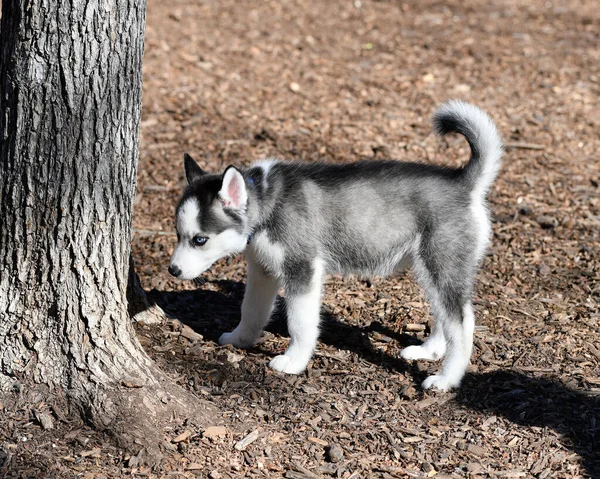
x: 70, y: 80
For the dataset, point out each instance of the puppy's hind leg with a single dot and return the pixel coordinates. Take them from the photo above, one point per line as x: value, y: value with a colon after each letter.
x: 303, y: 310
x: 448, y: 288
x: 261, y: 290
x: 459, y: 334
x: 432, y: 349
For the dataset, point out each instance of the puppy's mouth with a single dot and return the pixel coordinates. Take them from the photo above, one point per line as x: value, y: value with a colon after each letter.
x: 199, y: 281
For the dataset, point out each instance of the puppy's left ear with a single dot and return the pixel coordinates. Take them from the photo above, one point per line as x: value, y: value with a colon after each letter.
x: 233, y: 193
x: 192, y: 170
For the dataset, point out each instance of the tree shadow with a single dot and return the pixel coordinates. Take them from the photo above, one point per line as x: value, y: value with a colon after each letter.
x: 522, y: 399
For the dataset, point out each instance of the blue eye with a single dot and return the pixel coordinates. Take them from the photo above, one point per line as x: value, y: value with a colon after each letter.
x: 199, y: 240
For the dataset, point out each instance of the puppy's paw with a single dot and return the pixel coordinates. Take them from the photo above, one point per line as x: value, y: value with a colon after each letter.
x: 236, y: 339
x: 287, y: 364
x: 413, y: 353
x: 439, y: 382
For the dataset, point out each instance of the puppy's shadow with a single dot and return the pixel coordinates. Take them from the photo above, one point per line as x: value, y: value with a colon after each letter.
x: 212, y: 313
x: 341, y: 335
x: 539, y: 402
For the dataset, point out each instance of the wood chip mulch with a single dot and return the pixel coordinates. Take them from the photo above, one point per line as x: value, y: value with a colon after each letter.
x: 230, y: 82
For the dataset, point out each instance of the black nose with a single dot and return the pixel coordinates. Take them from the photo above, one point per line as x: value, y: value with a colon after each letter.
x: 174, y: 270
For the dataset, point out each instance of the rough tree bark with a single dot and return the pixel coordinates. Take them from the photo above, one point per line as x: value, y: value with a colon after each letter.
x: 70, y: 100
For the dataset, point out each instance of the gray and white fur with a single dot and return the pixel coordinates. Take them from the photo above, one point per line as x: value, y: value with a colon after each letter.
x: 297, y: 222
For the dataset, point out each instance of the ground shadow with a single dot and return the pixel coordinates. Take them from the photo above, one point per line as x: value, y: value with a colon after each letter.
x: 540, y: 402
x: 211, y: 313
x: 522, y: 399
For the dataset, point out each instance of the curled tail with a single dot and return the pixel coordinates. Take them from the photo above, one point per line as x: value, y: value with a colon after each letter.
x: 480, y: 131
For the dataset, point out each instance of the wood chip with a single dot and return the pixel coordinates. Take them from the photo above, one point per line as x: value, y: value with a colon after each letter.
x: 425, y: 403
x: 415, y: 327
x: 182, y: 437
x: 475, y: 468
x: 412, y: 439
x: 57, y: 413
x: 44, y: 419
x: 488, y: 422
x: 316, y: 440
x: 194, y: 466
x: 307, y: 474
x: 190, y: 334
x: 428, y: 469
x: 594, y: 350
x: 297, y: 475
x: 477, y: 450
x: 214, y: 431
x: 511, y: 473
x: 246, y: 441
x: 91, y: 453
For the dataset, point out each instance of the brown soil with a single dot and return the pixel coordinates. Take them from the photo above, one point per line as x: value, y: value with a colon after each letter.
x: 230, y: 82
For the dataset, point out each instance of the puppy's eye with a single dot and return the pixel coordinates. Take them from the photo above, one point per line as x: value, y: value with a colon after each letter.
x: 199, y: 240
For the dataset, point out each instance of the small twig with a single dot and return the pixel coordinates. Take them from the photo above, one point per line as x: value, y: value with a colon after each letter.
x: 525, y: 146
x: 524, y: 313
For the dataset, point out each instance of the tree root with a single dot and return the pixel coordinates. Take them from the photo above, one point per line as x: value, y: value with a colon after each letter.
x: 140, y: 420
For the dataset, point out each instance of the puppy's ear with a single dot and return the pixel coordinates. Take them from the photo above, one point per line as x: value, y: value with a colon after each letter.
x: 192, y: 170
x: 233, y: 192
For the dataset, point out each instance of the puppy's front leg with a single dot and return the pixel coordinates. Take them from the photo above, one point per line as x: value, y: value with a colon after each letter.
x: 303, y: 315
x: 257, y: 306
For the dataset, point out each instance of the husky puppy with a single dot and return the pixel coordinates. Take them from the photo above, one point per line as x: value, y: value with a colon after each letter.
x: 297, y: 222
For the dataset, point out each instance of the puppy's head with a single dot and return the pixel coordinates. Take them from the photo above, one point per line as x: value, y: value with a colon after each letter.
x: 211, y: 220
